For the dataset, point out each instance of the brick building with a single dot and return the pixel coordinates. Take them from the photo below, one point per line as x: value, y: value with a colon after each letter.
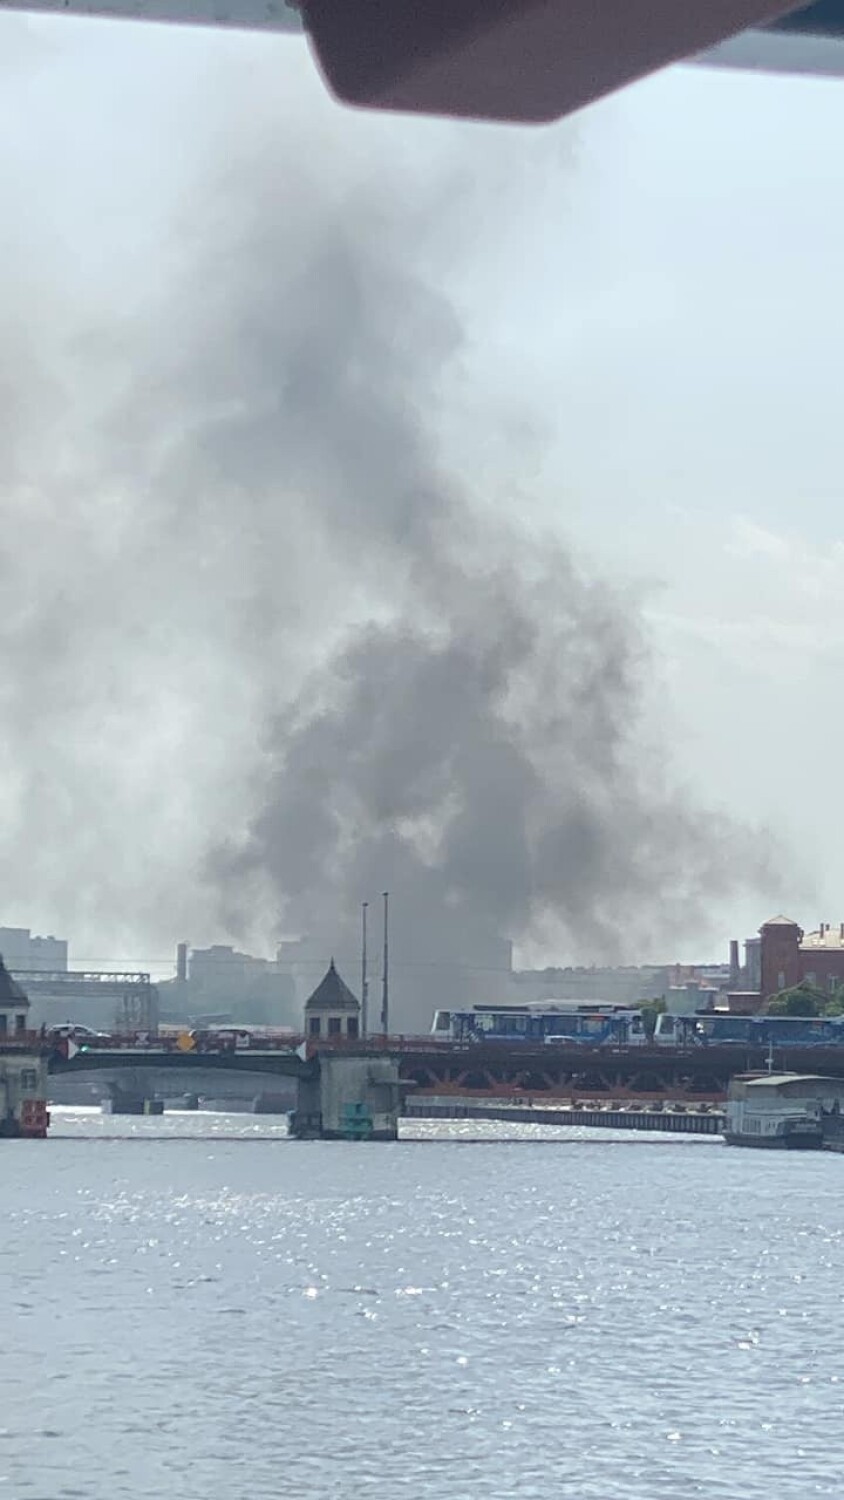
x: 788, y: 956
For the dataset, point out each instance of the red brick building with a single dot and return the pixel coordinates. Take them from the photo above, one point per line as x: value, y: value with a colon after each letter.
x: 788, y: 956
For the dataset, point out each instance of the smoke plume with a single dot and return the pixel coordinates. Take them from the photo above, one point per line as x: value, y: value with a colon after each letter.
x: 271, y: 652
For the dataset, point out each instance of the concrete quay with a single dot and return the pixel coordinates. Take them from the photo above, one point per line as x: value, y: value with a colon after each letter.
x: 669, y: 1120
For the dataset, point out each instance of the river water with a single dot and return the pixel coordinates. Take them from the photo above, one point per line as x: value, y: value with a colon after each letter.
x: 196, y: 1308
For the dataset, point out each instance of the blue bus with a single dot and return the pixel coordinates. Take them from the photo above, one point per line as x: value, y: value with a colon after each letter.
x: 714, y: 1029
x: 546, y: 1022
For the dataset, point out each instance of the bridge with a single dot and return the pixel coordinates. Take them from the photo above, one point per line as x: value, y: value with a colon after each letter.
x: 693, y: 1074
x: 357, y: 1086
x: 496, y: 1069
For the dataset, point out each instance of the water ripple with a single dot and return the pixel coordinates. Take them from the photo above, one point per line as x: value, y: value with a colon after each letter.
x: 244, y: 1318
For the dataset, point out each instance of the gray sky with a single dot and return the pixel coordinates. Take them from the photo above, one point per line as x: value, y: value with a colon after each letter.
x: 650, y: 372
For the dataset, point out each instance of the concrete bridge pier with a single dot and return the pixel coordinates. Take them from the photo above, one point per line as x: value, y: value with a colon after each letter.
x: 131, y: 1097
x: 349, y: 1098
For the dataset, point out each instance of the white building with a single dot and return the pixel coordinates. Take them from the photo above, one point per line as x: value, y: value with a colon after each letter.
x: 20, y: 950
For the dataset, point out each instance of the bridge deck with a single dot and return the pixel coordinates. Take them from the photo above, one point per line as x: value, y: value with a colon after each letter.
x: 495, y: 1069
x: 105, y: 1059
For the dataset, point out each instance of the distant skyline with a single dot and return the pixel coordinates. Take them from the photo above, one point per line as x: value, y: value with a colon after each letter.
x: 650, y: 373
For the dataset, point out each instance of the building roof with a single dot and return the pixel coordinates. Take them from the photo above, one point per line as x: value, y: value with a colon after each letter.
x: 775, y: 1080
x: 779, y: 922
x: 787, y: 1080
x: 11, y: 993
x: 826, y: 936
x: 332, y: 994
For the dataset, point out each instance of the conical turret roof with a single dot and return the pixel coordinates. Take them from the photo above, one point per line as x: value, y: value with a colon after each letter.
x: 332, y: 993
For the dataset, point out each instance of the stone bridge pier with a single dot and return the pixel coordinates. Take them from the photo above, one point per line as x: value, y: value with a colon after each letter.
x: 132, y: 1094
x: 349, y: 1097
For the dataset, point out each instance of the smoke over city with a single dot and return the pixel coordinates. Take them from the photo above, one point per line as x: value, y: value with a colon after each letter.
x: 270, y: 650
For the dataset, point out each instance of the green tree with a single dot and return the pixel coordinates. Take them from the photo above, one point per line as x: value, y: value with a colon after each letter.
x: 801, y: 1000
x: 650, y: 1010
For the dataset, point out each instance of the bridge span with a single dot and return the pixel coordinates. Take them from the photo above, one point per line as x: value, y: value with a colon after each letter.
x: 121, y: 1054
x: 697, y: 1073
x: 493, y: 1070
x: 354, y: 1092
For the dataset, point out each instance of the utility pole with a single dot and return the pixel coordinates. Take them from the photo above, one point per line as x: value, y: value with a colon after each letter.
x: 364, y: 981
x: 385, y: 980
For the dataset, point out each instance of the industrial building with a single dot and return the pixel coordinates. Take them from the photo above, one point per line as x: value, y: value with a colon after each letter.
x: 789, y: 956
x: 24, y: 952
x: 221, y: 983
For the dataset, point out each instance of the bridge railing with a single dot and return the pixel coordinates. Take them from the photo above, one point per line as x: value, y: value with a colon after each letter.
x: 187, y: 1044
x: 379, y: 1043
x: 23, y: 1041
x: 213, y: 1044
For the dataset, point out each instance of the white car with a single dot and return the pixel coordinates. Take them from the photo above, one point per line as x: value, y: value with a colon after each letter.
x: 76, y: 1032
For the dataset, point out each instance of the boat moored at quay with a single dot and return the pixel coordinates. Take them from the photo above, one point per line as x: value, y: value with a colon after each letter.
x: 783, y: 1111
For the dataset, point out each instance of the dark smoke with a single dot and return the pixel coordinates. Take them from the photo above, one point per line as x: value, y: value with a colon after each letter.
x: 278, y: 655
x: 476, y: 747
